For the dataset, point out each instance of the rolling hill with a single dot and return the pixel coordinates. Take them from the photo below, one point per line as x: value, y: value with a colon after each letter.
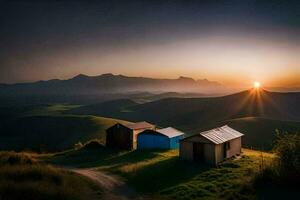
x: 196, y: 112
x: 58, y: 127
x: 44, y: 128
x: 270, y: 110
x: 260, y: 133
x: 106, y: 108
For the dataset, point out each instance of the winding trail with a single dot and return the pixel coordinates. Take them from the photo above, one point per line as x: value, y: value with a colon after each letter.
x: 114, y: 188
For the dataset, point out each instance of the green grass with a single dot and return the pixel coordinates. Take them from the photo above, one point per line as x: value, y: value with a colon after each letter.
x: 47, y: 110
x: 53, y: 128
x: 260, y: 132
x: 46, y: 128
x: 162, y: 175
x: 257, y: 115
x: 22, y: 177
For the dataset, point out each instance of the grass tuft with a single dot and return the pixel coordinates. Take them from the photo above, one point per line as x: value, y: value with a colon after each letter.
x: 22, y: 177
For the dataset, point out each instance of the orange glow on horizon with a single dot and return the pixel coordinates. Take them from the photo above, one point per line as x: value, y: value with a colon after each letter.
x: 256, y: 84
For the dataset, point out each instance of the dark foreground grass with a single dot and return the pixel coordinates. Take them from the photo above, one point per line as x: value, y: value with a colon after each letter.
x: 162, y: 175
x: 22, y: 177
x: 281, y: 179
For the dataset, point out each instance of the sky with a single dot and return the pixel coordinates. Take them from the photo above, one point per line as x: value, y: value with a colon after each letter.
x: 233, y: 42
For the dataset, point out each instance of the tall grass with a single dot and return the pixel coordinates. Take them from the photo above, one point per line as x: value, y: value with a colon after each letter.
x: 281, y: 179
x: 13, y: 158
x: 22, y: 177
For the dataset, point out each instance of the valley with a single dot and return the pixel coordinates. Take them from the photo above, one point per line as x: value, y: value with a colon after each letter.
x: 55, y: 127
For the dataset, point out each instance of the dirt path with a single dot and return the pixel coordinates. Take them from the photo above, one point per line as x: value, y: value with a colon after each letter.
x: 113, y: 186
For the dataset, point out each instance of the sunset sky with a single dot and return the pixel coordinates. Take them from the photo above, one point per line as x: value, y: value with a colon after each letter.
x: 233, y: 42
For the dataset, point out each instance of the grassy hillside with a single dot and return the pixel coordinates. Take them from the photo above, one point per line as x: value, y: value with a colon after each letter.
x: 45, y: 128
x: 255, y: 113
x: 106, y: 108
x: 193, y: 113
x: 162, y: 175
x: 260, y: 132
x: 22, y: 177
x: 58, y: 127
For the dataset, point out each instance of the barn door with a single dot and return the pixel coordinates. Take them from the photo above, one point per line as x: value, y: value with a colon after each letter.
x: 198, y: 151
x: 226, y: 146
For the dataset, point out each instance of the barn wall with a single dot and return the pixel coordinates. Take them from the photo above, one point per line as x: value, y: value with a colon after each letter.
x: 174, y: 142
x: 209, y: 153
x: 219, y: 152
x: 119, y: 137
x: 186, y: 150
x: 213, y: 153
x: 235, y: 147
x: 151, y: 141
x: 135, y: 135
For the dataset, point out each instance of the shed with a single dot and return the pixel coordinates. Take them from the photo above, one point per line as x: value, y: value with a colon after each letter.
x: 124, y: 136
x: 212, y: 146
x: 166, y: 138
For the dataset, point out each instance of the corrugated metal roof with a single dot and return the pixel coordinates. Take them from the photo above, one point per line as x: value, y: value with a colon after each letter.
x: 170, y: 132
x: 221, y: 134
x: 140, y: 125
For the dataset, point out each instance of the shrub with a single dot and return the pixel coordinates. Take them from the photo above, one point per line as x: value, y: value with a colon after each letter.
x: 285, y: 169
x: 13, y: 158
x: 93, y: 144
x: 78, y: 145
x: 287, y: 148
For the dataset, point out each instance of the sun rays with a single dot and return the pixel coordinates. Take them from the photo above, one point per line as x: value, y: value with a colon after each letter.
x: 256, y: 84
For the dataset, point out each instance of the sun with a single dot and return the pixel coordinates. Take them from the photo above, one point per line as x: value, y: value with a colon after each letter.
x: 256, y: 84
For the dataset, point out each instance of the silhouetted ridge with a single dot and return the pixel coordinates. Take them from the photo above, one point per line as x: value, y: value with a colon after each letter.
x: 80, y: 76
x: 109, y: 83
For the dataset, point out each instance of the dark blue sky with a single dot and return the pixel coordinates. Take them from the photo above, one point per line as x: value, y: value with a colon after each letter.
x: 57, y: 39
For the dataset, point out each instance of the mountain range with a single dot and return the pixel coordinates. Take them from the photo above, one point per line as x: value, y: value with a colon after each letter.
x: 83, y: 89
x: 109, y: 83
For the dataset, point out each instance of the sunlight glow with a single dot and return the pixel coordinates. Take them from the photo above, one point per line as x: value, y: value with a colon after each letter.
x: 256, y: 84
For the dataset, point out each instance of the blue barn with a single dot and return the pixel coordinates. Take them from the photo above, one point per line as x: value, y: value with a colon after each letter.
x: 166, y: 138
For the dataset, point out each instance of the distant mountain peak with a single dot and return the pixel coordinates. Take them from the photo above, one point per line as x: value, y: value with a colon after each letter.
x: 204, y: 80
x: 107, y: 75
x: 186, y: 78
x: 113, y: 83
x: 80, y: 76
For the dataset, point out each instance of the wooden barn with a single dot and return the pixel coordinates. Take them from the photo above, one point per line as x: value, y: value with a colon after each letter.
x: 166, y: 138
x: 124, y: 136
x: 212, y: 146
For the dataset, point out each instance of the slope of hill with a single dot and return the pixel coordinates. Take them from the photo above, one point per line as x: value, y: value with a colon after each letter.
x: 22, y: 177
x: 260, y: 133
x: 191, y: 113
x: 57, y: 127
x: 196, y: 114
x: 106, y: 108
x: 44, y: 128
